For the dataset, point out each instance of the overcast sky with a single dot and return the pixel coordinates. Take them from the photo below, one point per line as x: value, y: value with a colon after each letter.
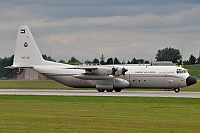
x: 86, y: 29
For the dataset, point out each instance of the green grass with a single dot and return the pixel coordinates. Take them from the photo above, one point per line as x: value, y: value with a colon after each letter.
x: 195, y: 87
x: 194, y: 70
x: 98, y: 114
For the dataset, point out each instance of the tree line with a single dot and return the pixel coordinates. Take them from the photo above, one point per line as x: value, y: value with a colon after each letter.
x: 7, y: 73
x: 102, y: 61
x: 171, y: 54
x: 166, y: 54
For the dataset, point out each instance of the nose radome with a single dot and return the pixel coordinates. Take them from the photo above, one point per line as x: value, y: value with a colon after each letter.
x: 191, y: 80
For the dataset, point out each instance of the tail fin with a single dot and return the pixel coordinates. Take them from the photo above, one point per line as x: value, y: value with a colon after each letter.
x: 27, y: 53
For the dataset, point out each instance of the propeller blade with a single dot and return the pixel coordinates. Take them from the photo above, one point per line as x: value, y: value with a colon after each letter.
x: 113, y: 71
x: 124, y: 70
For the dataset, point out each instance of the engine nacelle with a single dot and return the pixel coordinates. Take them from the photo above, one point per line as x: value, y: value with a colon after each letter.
x: 103, y: 71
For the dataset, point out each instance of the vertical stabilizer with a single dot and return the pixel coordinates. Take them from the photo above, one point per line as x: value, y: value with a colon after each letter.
x: 27, y: 53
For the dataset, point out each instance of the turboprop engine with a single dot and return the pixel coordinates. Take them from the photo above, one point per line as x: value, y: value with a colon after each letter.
x: 105, y: 71
x: 101, y: 73
x: 118, y: 71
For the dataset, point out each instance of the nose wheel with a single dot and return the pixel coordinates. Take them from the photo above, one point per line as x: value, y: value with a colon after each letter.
x: 176, y: 90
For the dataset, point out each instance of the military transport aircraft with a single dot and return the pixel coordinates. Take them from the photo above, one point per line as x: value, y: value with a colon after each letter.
x: 101, y: 77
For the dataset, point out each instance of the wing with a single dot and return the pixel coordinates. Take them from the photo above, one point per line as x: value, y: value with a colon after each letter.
x: 95, y: 70
x: 103, y: 76
x: 99, y: 72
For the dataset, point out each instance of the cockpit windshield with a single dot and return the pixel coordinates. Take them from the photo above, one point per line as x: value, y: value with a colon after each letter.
x: 180, y: 71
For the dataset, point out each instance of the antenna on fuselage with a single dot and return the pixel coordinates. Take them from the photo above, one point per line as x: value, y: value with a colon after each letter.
x: 182, y: 58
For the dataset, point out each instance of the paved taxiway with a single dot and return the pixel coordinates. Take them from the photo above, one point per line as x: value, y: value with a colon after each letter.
x: 95, y: 93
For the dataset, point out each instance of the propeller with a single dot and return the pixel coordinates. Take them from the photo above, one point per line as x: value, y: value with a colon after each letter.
x: 121, y: 71
x: 113, y: 71
x: 124, y: 70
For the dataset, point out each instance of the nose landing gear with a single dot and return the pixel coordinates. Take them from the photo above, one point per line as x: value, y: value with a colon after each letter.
x: 176, y: 90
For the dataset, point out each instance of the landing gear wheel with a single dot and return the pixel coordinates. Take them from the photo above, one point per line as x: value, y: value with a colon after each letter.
x: 118, y: 90
x: 109, y: 90
x: 176, y: 90
x: 101, y: 90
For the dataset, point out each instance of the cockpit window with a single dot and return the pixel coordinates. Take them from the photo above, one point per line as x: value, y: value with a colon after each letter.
x: 179, y: 71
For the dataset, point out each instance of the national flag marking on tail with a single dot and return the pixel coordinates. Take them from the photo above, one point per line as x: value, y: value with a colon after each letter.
x: 22, y: 31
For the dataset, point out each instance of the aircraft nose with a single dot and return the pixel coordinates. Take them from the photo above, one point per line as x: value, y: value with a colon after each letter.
x: 191, y: 80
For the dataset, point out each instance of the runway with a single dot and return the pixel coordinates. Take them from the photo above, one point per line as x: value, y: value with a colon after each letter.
x: 95, y: 93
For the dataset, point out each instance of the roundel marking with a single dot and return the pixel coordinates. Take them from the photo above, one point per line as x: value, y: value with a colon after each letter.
x: 25, y: 44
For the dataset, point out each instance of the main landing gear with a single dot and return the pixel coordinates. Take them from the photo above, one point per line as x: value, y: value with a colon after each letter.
x: 101, y: 90
x: 118, y: 90
x: 110, y: 90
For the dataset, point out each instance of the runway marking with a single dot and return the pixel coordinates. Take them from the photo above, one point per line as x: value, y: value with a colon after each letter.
x: 95, y: 93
